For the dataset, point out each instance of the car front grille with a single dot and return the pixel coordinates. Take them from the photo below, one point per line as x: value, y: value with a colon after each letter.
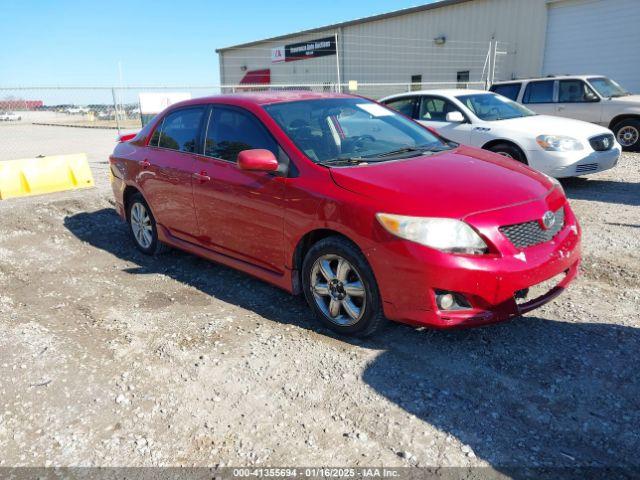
x: 586, y: 167
x: 602, y: 143
x: 528, y: 234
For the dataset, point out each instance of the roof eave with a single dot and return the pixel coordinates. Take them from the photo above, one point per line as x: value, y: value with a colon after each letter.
x: 373, y: 18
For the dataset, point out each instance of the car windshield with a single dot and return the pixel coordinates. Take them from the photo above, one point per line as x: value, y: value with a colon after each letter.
x: 607, y: 87
x: 351, y: 130
x: 490, y: 107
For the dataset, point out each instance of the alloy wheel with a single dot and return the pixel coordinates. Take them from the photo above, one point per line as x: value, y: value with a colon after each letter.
x: 338, y: 290
x: 141, y: 225
x: 628, y: 136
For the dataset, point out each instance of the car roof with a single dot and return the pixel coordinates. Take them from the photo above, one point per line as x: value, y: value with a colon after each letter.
x: 550, y: 77
x: 446, y: 92
x: 263, y: 98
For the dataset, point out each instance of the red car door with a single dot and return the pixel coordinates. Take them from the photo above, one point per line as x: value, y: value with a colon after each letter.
x: 239, y: 213
x: 168, y: 168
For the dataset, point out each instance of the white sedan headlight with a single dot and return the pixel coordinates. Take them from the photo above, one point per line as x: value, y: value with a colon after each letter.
x: 446, y: 234
x: 559, y: 143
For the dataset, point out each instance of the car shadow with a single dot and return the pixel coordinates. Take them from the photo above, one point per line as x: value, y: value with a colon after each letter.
x: 531, y: 392
x: 105, y: 230
x: 608, y: 191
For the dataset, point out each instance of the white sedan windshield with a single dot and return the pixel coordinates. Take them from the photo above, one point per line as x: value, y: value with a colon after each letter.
x: 490, y: 107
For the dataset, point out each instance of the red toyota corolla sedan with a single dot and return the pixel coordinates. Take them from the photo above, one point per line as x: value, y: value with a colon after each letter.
x: 368, y: 213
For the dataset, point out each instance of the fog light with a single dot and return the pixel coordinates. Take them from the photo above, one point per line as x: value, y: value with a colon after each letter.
x: 446, y: 301
x: 451, y: 300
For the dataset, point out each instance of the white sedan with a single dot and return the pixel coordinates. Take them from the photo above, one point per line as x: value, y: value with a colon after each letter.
x: 559, y: 147
x: 9, y: 117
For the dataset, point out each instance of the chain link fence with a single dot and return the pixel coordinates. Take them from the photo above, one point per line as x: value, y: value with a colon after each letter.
x: 52, y: 120
x: 63, y: 120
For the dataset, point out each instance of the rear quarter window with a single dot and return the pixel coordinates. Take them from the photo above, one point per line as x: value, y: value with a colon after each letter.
x: 510, y: 90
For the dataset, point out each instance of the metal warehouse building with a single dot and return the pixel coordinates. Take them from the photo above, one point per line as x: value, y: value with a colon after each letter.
x: 449, y: 42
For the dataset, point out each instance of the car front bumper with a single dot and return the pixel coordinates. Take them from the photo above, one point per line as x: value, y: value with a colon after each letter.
x: 409, y: 275
x: 572, y: 164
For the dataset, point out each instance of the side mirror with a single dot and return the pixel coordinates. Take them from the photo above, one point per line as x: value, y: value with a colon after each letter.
x: 257, y: 160
x: 591, y: 97
x: 454, y: 117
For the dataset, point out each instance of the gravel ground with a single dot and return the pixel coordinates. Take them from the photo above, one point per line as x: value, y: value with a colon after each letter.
x: 112, y: 358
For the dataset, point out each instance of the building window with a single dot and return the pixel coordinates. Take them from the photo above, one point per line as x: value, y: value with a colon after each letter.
x: 463, y: 79
x: 416, y: 82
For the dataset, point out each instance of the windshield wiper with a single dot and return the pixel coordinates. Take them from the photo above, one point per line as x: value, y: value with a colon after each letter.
x: 397, y: 152
x: 342, y: 160
x: 380, y: 157
x: 441, y: 148
x: 407, y: 149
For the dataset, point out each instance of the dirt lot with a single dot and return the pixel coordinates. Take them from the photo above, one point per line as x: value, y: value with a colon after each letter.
x: 112, y: 358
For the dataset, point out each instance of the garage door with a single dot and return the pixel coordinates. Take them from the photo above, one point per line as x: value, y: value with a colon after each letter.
x: 595, y: 37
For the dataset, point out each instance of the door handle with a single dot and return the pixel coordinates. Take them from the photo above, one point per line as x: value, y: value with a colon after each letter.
x: 202, y: 176
x: 144, y: 164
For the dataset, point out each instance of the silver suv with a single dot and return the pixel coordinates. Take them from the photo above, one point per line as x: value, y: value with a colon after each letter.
x: 592, y: 98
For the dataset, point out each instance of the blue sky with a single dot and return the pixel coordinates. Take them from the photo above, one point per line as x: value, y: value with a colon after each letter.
x: 158, y: 42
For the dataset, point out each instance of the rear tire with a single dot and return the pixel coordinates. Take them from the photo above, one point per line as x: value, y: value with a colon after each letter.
x: 341, y: 289
x: 142, y: 226
x: 510, y: 151
x: 627, y: 133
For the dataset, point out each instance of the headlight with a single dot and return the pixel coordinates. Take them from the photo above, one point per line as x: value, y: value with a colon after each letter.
x: 446, y: 234
x: 559, y: 143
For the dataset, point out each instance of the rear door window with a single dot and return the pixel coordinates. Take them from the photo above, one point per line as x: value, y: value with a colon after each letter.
x: 435, y: 109
x: 179, y: 130
x: 404, y: 105
x: 510, y: 90
x: 231, y: 131
x: 539, y: 92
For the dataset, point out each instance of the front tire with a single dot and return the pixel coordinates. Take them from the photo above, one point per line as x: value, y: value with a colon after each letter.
x: 142, y: 226
x: 509, y: 151
x: 627, y: 133
x: 341, y: 289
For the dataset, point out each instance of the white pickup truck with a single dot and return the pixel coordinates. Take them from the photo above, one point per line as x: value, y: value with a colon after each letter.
x: 592, y: 98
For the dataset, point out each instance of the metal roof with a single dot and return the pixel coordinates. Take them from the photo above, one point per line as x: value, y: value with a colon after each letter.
x: 373, y: 18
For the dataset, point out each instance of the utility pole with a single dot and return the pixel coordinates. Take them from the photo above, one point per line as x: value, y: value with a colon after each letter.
x: 338, y: 64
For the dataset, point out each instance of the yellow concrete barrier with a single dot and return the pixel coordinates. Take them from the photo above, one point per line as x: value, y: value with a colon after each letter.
x: 35, y: 176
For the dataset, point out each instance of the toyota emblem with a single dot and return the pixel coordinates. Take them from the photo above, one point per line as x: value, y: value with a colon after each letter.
x: 548, y: 220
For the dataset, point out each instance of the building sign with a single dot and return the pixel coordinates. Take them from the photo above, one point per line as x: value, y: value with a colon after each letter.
x: 303, y: 50
x: 277, y: 54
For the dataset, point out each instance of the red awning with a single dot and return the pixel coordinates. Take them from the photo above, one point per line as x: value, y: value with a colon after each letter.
x: 257, y: 77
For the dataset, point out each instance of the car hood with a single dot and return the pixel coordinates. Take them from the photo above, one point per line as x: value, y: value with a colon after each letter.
x: 549, y: 125
x: 453, y: 184
x: 629, y: 100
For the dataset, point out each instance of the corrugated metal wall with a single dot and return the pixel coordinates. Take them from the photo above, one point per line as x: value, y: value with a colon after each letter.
x: 595, y: 37
x: 518, y: 24
x: 396, y: 48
